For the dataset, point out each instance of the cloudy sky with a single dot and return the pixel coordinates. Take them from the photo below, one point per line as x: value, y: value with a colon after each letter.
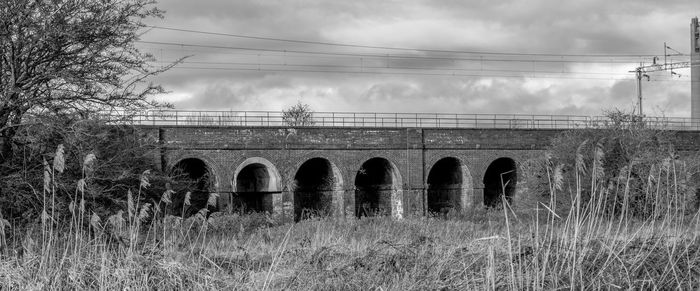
x: 456, y: 56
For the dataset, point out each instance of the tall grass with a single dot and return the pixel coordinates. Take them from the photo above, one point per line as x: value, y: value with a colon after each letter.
x: 582, y: 246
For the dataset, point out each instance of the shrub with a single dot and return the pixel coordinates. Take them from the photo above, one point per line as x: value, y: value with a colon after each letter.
x: 587, y: 163
x: 298, y: 115
x: 105, y: 161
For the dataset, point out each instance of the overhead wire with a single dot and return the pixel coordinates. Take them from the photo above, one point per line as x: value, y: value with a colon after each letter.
x: 379, y: 56
x: 391, y: 68
x: 392, y: 73
x: 224, y: 51
x: 392, y: 48
x: 445, y: 70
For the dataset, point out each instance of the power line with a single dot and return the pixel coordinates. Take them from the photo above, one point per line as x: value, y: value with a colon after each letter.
x: 393, y: 73
x: 220, y: 51
x: 379, y: 56
x: 395, y: 48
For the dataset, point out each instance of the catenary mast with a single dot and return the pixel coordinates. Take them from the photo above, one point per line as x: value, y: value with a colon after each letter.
x: 695, y: 69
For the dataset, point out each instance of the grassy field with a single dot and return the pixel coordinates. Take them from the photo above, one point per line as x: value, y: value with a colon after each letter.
x: 487, y: 250
x: 600, y: 242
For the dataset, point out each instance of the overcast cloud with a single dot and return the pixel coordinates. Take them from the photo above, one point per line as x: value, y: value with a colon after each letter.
x: 451, y: 82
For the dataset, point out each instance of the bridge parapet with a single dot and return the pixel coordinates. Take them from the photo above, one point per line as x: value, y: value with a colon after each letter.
x: 389, y: 120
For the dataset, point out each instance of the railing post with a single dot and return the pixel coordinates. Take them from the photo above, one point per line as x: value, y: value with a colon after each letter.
x: 268, y: 118
x: 245, y: 118
x: 552, y: 122
x: 176, y: 117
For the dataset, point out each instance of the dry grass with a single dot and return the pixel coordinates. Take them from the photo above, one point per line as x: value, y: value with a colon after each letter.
x: 139, y: 248
x: 247, y: 252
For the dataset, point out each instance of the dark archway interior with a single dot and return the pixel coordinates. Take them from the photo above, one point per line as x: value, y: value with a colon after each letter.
x: 501, y: 178
x: 190, y: 175
x: 374, y: 184
x: 252, y: 188
x: 445, y: 185
x: 314, y: 186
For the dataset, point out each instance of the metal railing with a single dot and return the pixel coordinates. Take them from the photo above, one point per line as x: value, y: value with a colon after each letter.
x: 388, y: 120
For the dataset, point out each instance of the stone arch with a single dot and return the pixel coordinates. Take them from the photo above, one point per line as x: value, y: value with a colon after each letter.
x: 195, y: 176
x: 378, y: 189
x: 210, y: 164
x: 500, y: 179
x: 254, y: 182
x: 449, y: 185
x: 317, y: 189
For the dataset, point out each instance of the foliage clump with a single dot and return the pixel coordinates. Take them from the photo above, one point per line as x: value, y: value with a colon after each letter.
x: 105, y: 161
x: 590, y: 167
x: 298, y: 115
x: 71, y: 57
x: 63, y: 64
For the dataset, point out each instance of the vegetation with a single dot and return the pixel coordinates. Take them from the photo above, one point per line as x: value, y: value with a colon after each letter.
x: 62, y: 64
x: 104, y: 184
x: 298, y: 115
x: 140, y: 247
x: 584, y: 164
x: 70, y: 59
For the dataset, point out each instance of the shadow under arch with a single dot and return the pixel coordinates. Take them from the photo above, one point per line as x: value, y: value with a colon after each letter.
x: 318, y: 189
x: 449, y: 186
x: 500, y: 181
x: 254, y: 182
x: 194, y: 176
x: 378, y: 189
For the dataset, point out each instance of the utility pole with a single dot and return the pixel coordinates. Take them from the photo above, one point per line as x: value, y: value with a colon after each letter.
x: 640, y: 74
x: 642, y: 70
x: 693, y: 64
x: 695, y: 70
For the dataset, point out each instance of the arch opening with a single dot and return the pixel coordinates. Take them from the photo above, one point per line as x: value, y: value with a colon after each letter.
x: 255, y: 184
x: 377, y: 189
x: 446, y: 189
x: 315, y: 184
x: 194, y: 176
x: 500, y: 180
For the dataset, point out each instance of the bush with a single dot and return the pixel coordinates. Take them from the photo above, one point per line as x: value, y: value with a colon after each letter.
x: 298, y: 115
x: 624, y: 168
x: 105, y: 161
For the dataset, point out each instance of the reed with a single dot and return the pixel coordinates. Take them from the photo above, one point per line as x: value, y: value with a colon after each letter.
x: 548, y: 247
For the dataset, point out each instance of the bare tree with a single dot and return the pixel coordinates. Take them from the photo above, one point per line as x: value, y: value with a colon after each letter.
x: 71, y: 58
x: 298, y: 115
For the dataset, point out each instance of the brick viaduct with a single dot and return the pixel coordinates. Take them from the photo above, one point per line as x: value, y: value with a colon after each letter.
x: 352, y: 172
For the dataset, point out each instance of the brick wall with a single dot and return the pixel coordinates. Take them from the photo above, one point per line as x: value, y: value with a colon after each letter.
x: 411, y: 151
